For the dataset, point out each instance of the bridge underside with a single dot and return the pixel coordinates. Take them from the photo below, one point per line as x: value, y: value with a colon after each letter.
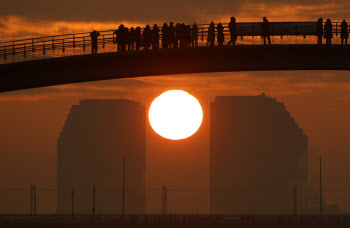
x: 65, y: 70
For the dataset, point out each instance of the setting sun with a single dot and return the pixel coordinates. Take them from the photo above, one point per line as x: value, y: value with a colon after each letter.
x: 175, y: 115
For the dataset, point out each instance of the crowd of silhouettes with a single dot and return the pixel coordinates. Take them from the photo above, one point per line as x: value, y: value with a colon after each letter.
x: 182, y: 35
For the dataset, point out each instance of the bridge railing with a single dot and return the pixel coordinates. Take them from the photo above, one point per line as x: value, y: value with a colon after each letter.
x: 79, y: 43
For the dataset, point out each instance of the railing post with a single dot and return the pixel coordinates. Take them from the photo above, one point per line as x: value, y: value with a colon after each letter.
x: 53, y: 43
x: 63, y: 45
x: 24, y: 51
x: 84, y: 44
x: 73, y: 41
x: 32, y: 45
x: 202, y: 34
x: 13, y: 48
x: 44, y: 51
x: 336, y: 29
x: 103, y: 41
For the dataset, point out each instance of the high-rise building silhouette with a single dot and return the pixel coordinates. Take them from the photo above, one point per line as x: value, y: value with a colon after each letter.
x: 90, y: 149
x: 258, y: 153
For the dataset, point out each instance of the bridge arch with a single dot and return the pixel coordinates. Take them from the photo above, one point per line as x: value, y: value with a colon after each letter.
x: 86, y: 68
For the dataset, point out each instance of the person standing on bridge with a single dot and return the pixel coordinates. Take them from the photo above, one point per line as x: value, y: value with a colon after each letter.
x: 181, y: 33
x: 132, y: 38
x: 177, y: 35
x: 119, y: 37
x: 188, y: 36
x: 125, y: 39
x: 211, y: 34
x: 319, y: 31
x: 155, y: 37
x: 94, y: 41
x: 138, y: 38
x: 194, y: 35
x: 147, y: 37
x: 233, y: 31
x: 220, y: 36
x: 172, y: 37
x: 344, y: 35
x: 265, y: 26
x: 165, y: 36
x: 328, y: 34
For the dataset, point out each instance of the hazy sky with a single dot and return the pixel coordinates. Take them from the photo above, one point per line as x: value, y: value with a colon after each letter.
x: 42, y: 17
x: 31, y: 120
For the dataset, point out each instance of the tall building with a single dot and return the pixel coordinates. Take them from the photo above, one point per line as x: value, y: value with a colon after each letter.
x: 90, y: 149
x: 258, y: 153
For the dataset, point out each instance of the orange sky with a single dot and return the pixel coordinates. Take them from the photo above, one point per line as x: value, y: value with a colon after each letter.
x: 31, y: 120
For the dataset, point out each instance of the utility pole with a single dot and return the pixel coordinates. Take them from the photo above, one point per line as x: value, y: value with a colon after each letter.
x: 93, y: 200
x: 321, y: 203
x: 295, y: 200
x: 164, y: 200
x: 163, y: 212
x: 31, y: 199
x: 73, y: 194
x: 34, y: 199
x: 123, y: 206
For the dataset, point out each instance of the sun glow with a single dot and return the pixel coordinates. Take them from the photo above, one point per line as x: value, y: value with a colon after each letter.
x: 175, y: 115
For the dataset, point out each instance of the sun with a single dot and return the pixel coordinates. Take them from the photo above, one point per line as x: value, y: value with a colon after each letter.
x: 175, y: 115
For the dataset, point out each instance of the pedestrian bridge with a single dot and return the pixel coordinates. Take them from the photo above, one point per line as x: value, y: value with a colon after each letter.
x: 63, y: 59
x: 86, y: 68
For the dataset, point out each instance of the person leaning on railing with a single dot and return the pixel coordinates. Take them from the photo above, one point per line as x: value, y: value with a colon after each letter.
x: 344, y: 35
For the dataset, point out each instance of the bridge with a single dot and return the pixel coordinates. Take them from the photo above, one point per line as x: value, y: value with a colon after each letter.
x: 63, y: 59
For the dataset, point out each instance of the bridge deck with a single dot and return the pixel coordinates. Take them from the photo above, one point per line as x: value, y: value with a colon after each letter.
x: 85, y: 68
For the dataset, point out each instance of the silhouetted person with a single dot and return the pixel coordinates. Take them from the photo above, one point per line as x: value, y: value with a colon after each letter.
x: 138, y: 38
x: 126, y: 39
x: 194, y: 35
x: 328, y: 31
x: 265, y: 26
x: 188, y: 37
x: 119, y: 37
x: 147, y: 37
x: 181, y: 35
x: 319, y: 31
x: 172, y: 37
x: 94, y: 41
x: 211, y: 35
x: 344, y: 35
x: 165, y: 36
x: 132, y: 38
x: 155, y: 37
x: 233, y: 31
x: 220, y: 36
x: 177, y: 35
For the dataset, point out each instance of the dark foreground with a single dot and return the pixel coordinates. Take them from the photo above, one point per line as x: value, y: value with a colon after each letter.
x: 174, y: 221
